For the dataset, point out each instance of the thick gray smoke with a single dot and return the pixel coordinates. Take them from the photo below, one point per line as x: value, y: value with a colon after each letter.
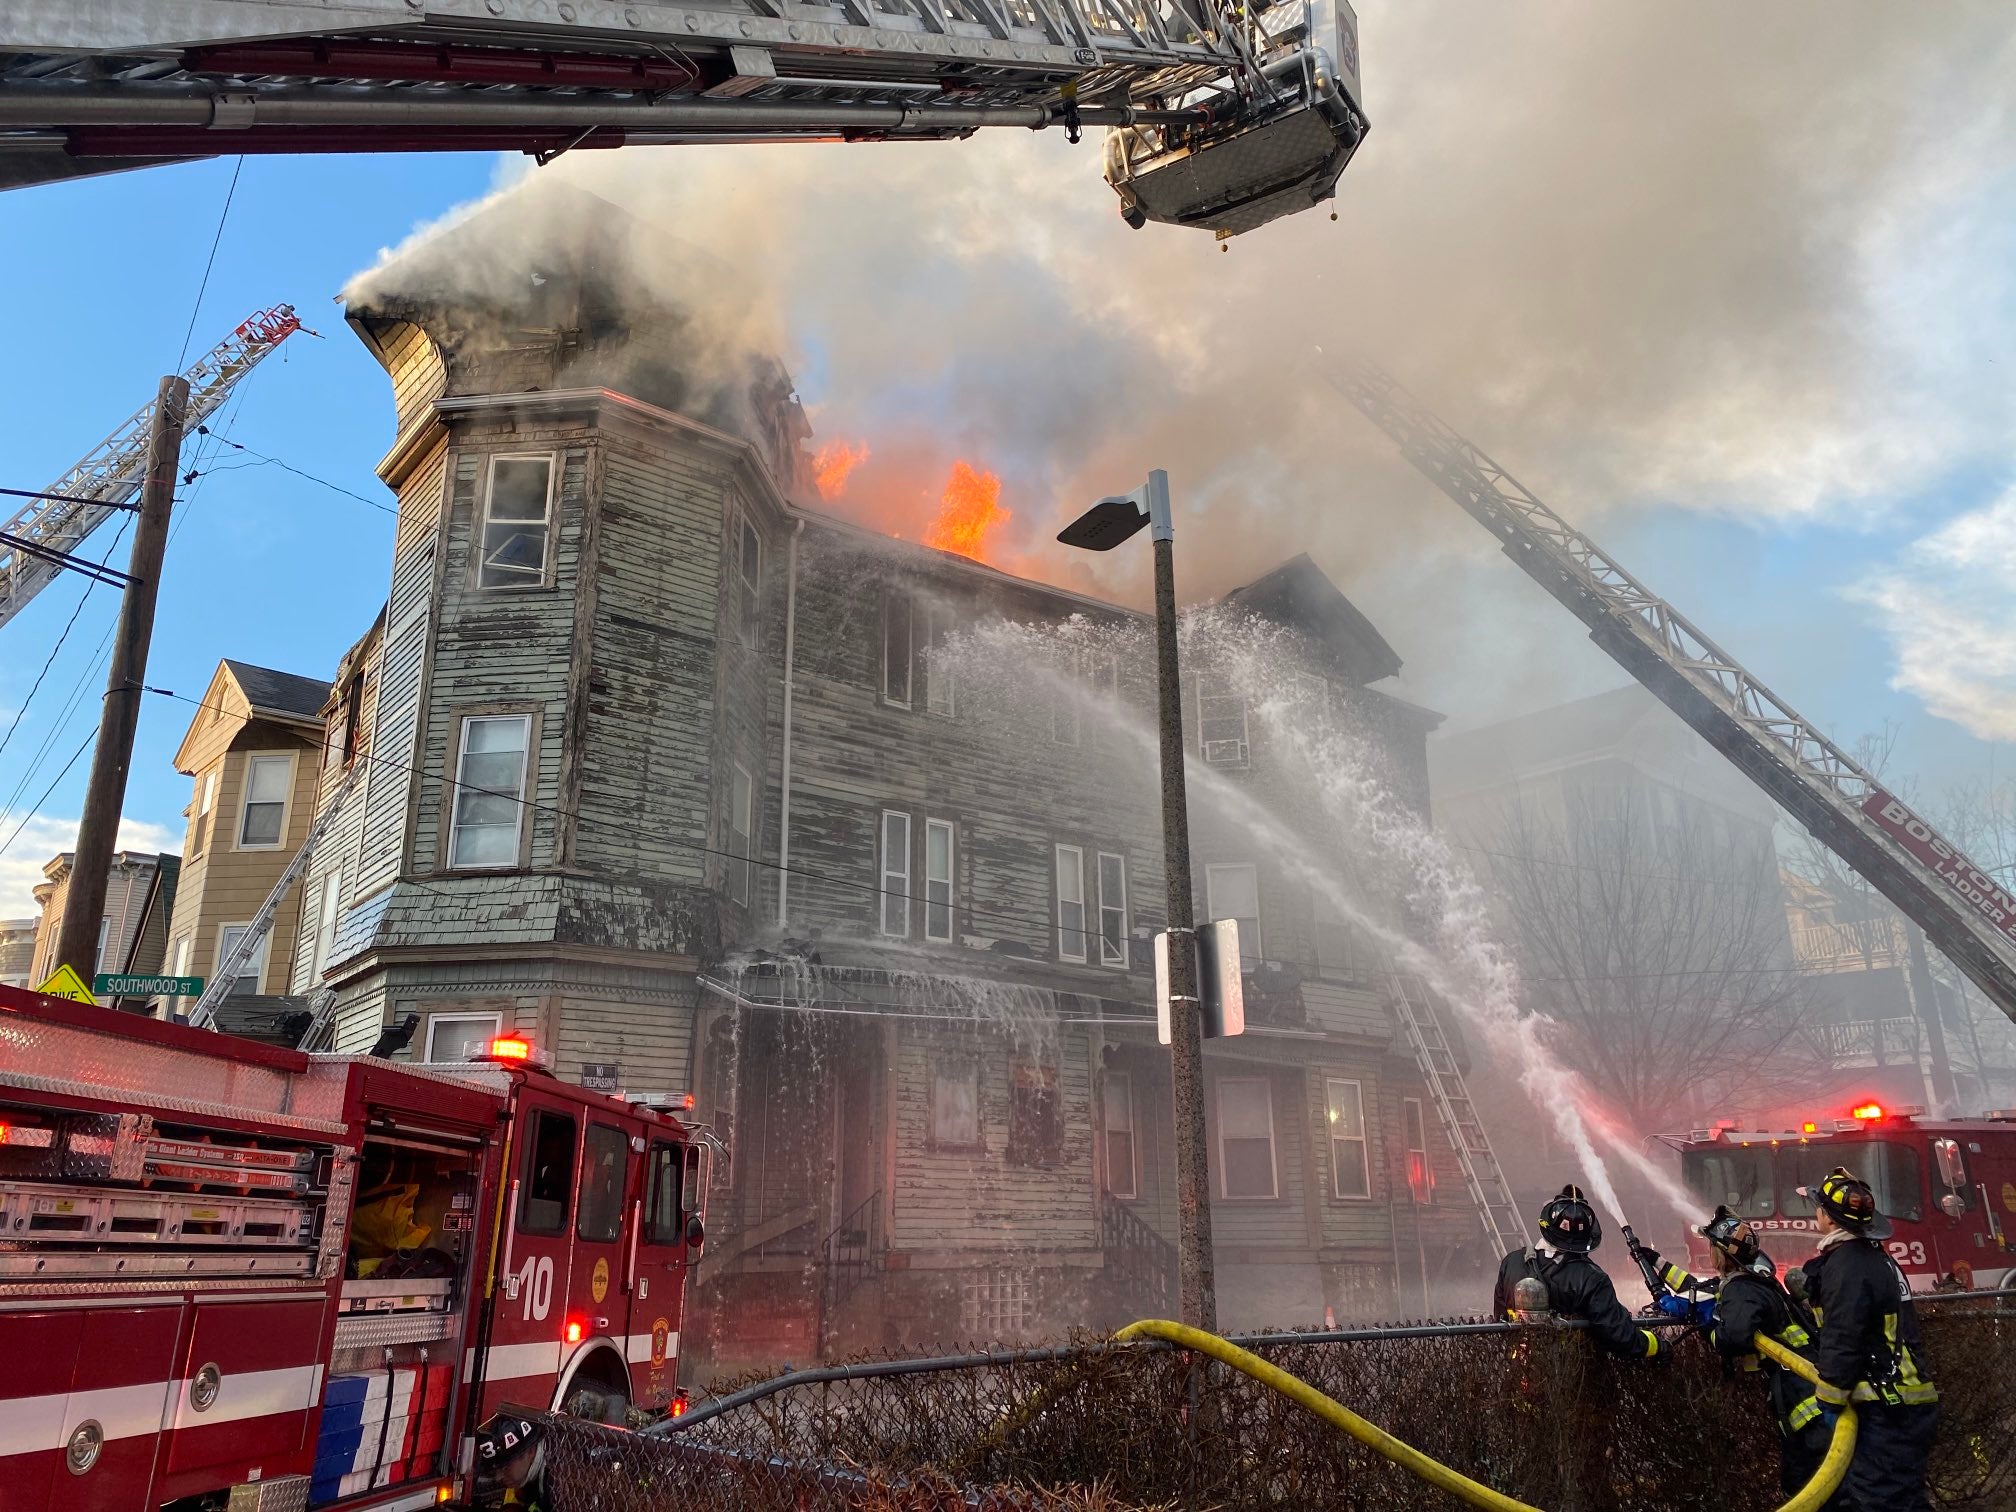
x: 1641, y: 253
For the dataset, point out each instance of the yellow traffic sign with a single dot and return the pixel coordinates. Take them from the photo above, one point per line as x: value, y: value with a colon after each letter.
x: 65, y: 983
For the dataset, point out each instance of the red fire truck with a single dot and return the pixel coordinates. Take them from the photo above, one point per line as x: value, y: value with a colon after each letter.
x: 228, y: 1269
x: 1948, y: 1187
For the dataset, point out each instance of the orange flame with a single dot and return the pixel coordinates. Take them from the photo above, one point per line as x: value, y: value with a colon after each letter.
x: 969, y: 512
x: 832, y: 463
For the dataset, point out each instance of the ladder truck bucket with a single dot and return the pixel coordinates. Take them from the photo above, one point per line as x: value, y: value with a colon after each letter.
x: 1275, y: 147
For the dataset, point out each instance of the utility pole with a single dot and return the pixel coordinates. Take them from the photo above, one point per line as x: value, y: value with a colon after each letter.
x: 105, y: 797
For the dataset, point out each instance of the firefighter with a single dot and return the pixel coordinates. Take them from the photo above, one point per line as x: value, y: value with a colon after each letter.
x: 511, y: 1458
x: 1749, y: 1301
x: 1577, y: 1286
x: 1868, y: 1349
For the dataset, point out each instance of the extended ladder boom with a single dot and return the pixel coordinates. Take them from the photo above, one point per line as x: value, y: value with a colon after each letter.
x: 110, y: 474
x: 1961, y: 907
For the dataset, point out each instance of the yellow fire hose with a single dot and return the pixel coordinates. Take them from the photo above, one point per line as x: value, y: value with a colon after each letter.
x: 1810, y: 1498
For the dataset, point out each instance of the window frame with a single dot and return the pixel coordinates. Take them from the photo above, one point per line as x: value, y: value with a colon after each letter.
x: 480, y: 548
x: 741, y: 878
x: 558, y: 1229
x: 899, y: 895
x: 328, y: 915
x: 1067, y: 720
x: 457, y: 786
x: 494, y: 1018
x: 1249, y: 950
x: 1057, y: 882
x: 104, y: 939
x: 748, y: 612
x: 1119, y: 961
x: 1362, y: 1139
x: 1107, y: 1129
x: 1039, y: 1148
x: 941, y: 1068
x: 1266, y: 1085
x: 1413, y: 1114
x: 199, y: 825
x: 614, y: 1221
x: 257, y: 976
x: 672, y: 1154
x: 892, y: 596
x: 1243, y: 757
x: 252, y: 761
x: 941, y: 691
x: 951, y: 880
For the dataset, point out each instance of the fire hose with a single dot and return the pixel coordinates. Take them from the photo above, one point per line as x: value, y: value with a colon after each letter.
x: 1813, y: 1495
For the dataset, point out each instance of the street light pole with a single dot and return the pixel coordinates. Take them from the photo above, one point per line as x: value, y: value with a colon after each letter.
x: 1101, y: 528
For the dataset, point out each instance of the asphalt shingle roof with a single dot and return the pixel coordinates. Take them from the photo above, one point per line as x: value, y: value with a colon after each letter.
x: 282, y: 692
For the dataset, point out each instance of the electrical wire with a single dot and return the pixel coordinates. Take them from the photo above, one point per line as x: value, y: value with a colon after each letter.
x: 266, y: 461
x: 215, y: 242
x: 84, y: 745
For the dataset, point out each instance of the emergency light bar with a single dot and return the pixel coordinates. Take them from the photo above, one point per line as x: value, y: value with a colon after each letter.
x: 516, y: 1050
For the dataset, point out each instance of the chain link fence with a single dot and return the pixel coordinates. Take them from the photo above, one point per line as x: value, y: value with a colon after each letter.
x: 1093, y: 1427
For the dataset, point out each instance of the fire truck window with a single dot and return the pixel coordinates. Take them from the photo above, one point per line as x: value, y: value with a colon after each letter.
x: 664, y: 1219
x: 549, y: 1175
x: 694, y: 1187
x: 1892, y: 1171
x: 602, y: 1176
x: 1740, y: 1178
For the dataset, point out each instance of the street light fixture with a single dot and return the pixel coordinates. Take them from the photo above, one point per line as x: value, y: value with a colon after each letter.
x: 1101, y: 528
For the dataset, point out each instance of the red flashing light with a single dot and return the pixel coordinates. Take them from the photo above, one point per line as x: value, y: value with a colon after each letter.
x: 681, y: 1404
x: 1867, y: 1111
x: 511, y: 1047
x: 573, y: 1330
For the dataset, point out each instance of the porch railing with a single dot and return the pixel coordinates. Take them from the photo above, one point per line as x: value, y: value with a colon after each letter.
x: 852, y: 1253
x: 1140, y: 1260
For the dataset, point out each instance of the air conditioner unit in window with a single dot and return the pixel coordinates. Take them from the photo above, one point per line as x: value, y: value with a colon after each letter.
x: 1225, y: 752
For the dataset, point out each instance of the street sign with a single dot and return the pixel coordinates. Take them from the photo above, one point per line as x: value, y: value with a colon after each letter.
x: 1220, y: 988
x: 112, y: 985
x: 65, y: 983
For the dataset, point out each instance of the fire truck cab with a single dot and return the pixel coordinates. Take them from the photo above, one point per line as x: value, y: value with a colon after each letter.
x: 1947, y: 1186
x: 227, y: 1268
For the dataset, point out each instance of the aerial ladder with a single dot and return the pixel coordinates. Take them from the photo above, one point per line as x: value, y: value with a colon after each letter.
x: 1961, y: 906
x: 51, y: 526
x: 1222, y: 114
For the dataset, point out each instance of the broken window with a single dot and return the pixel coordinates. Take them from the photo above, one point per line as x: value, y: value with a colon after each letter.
x: 1245, y: 1137
x: 1112, y: 909
x: 1420, y: 1170
x: 741, y: 834
x: 267, y: 780
x: 1122, y: 1173
x: 489, y: 791
x: 1221, y: 720
x: 1232, y: 891
x: 895, y: 873
x: 898, y: 632
x: 1070, y: 903
x: 517, y: 523
x: 1350, y: 1166
x: 1035, y: 1131
x: 939, y: 682
x: 955, y: 1104
x: 938, y: 879
x: 748, y: 583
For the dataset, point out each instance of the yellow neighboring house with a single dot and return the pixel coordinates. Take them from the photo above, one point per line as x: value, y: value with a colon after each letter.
x: 254, y: 751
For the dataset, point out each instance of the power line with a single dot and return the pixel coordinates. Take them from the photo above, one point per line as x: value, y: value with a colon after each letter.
x: 266, y: 461
x: 36, y: 493
x: 215, y: 242
x: 36, y: 808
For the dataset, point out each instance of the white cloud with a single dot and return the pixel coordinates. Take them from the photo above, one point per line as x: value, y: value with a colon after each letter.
x: 1947, y: 608
x: 46, y: 836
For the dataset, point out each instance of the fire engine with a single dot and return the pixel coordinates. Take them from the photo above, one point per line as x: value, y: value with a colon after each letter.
x: 234, y: 1270
x: 1948, y: 1187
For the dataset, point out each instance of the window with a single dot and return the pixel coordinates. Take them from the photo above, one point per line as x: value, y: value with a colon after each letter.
x: 664, y: 1217
x: 1112, y: 909
x: 1102, y: 678
x: 1245, y: 1137
x: 955, y: 1105
x: 748, y: 583
x: 104, y: 934
x: 344, y: 721
x: 1221, y: 720
x: 199, y: 826
x: 325, y: 927
x: 1740, y: 1179
x: 517, y: 523
x: 1122, y: 1174
x: 180, y: 956
x: 1340, y: 948
x: 1890, y: 1169
x: 937, y: 879
x: 490, y: 784
x: 1070, y: 903
x: 455, y: 1037
x: 1035, y: 1130
x: 895, y: 873
x: 548, y: 1174
x: 741, y: 834
x: 1064, y: 707
x: 897, y: 631
x: 1232, y: 891
x: 1350, y: 1168
x: 603, y: 1177
x: 1420, y: 1169
x: 253, y: 972
x: 939, y: 682
x: 267, y: 779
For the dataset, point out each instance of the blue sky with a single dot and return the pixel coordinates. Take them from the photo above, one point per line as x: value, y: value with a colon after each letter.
x: 1831, y: 537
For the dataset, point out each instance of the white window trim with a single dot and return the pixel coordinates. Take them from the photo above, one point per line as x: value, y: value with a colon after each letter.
x: 257, y: 974
x: 1125, y: 918
x: 478, y: 548
x: 286, y: 802
x: 1133, y: 1132
x: 328, y: 915
x: 895, y: 885
x: 941, y: 692
x: 1363, y: 1141
x: 1249, y: 950
x: 951, y: 879
x: 964, y: 1066
x: 494, y: 1020
x: 890, y: 596
x: 1064, y: 951
x: 206, y: 792
x: 1273, y: 1193
x: 1244, y: 755
x: 456, y: 785
x: 104, y: 939
x: 748, y: 595
x: 742, y: 864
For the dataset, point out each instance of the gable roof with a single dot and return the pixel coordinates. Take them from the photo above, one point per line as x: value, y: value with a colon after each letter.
x: 1300, y: 595
x: 280, y: 694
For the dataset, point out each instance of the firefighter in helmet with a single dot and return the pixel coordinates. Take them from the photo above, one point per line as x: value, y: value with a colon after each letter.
x: 511, y: 1459
x: 1750, y: 1301
x: 1868, y: 1349
x: 1577, y: 1286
